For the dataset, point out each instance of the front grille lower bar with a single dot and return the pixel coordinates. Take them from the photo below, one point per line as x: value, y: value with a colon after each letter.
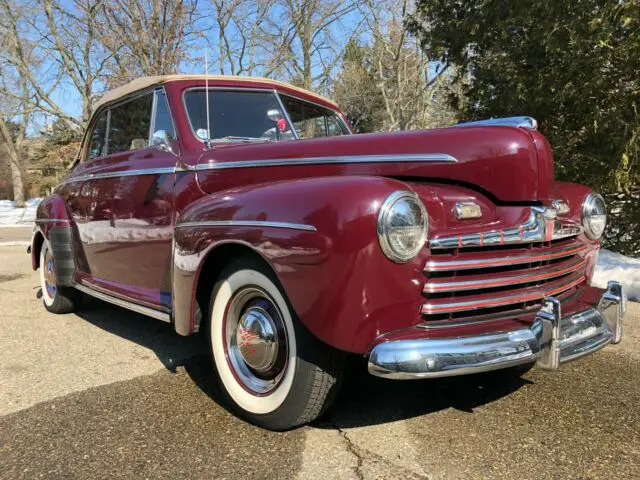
x: 491, y: 300
x: 518, y: 277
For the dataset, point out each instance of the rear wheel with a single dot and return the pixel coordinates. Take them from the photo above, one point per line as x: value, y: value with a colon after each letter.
x: 56, y: 299
x: 274, y: 373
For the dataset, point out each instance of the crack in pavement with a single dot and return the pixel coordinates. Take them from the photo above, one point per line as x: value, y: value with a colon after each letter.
x: 362, y: 454
x: 355, y: 451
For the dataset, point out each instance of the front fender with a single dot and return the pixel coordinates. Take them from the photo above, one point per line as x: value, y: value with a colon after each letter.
x: 319, y: 236
x: 574, y: 194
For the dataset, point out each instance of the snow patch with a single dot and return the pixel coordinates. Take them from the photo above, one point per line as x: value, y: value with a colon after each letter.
x: 613, y: 266
x: 10, y: 215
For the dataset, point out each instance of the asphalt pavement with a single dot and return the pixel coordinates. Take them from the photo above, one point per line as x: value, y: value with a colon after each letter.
x: 111, y: 394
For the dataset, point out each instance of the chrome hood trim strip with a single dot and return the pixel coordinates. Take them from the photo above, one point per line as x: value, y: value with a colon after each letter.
x: 345, y: 159
x: 522, y: 121
x: 246, y: 223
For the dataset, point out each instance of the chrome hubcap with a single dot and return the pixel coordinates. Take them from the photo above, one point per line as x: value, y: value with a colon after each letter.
x: 256, y: 340
x: 49, y: 274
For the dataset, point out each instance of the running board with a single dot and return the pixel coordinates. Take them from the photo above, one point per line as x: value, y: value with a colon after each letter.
x: 150, y: 312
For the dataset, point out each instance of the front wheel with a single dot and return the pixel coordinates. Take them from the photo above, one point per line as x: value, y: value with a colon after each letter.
x: 274, y: 373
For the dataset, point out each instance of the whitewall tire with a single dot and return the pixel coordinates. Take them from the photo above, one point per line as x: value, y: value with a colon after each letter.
x: 256, y: 341
x: 55, y: 298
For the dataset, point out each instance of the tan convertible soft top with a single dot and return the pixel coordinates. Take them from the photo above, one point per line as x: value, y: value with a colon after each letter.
x: 144, y: 82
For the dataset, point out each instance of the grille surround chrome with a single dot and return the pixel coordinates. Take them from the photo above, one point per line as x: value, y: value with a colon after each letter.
x: 500, y: 271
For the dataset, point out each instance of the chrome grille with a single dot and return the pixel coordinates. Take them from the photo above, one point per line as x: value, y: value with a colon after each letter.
x: 468, y: 277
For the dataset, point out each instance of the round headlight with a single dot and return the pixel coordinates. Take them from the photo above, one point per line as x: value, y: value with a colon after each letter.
x: 594, y: 216
x: 402, y: 226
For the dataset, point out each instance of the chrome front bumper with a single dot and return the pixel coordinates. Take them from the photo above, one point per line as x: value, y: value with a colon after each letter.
x: 551, y: 340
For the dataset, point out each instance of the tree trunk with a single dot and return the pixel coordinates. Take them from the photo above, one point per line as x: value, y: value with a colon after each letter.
x: 16, y: 179
x: 14, y: 163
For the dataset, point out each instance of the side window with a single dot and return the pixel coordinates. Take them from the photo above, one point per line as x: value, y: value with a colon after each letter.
x: 98, y: 137
x: 163, y: 122
x: 310, y: 120
x: 130, y: 124
x: 334, y: 126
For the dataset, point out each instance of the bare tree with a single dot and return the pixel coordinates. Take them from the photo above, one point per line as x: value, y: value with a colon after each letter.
x: 409, y: 83
x: 70, y: 33
x: 303, y: 35
x: 50, y: 45
x: 147, y: 37
x: 239, y: 36
x: 15, y: 95
x: 14, y: 121
x: 13, y: 148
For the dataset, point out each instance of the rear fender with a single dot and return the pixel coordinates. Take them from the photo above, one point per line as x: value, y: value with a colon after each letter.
x: 319, y: 237
x: 53, y: 225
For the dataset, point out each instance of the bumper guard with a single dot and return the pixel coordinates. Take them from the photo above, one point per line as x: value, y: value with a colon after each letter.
x: 550, y: 341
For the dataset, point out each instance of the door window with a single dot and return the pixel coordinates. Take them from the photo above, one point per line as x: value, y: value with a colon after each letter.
x: 99, y: 136
x: 163, y: 121
x: 130, y: 124
x: 312, y: 120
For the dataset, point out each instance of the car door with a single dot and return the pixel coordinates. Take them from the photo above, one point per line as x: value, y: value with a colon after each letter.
x: 130, y: 234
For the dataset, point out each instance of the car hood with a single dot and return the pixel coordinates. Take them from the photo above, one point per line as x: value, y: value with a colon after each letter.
x: 508, y: 164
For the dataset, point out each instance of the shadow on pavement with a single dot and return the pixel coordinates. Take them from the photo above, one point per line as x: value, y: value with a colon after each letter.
x: 363, y: 399
x: 172, y: 350
x: 368, y: 400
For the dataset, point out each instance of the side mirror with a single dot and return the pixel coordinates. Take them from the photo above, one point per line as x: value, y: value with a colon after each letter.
x: 276, y: 116
x: 161, y: 140
x: 202, y: 134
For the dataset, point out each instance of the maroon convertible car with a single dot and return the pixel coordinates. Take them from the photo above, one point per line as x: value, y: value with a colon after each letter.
x: 247, y: 209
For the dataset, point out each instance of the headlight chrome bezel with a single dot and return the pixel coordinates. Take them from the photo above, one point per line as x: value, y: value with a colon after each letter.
x: 383, y: 226
x: 590, y: 204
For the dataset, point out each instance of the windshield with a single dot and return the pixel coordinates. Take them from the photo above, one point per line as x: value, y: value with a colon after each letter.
x: 257, y: 116
x: 237, y: 115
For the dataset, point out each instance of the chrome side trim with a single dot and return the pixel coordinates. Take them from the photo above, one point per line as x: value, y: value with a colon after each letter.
x: 551, y: 341
x: 522, y: 121
x: 246, y: 223
x: 443, y: 266
x: 533, y: 275
x: 541, y: 226
x: 345, y: 159
x: 51, y: 220
x: 278, y: 162
x: 431, y: 308
x: 123, y: 173
x: 109, y: 298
